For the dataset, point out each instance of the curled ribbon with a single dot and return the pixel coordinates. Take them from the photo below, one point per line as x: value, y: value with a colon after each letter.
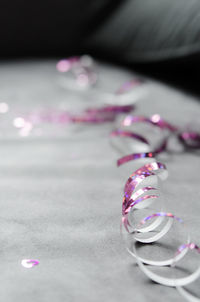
x: 138, y: 196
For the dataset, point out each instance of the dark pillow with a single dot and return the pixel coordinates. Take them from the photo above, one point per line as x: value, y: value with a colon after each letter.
x: 149, y: 30
x: 129, y: 30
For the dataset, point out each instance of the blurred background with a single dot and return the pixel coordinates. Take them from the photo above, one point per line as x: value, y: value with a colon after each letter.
x: 156, y: 37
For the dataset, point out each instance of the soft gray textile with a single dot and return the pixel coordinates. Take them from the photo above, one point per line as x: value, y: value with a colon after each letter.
x: 61, y: 194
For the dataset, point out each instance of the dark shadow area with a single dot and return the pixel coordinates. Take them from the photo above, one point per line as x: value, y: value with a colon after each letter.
x: 181, y: 73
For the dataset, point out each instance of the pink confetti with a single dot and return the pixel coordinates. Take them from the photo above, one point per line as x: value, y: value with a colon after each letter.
x: 29, y: 263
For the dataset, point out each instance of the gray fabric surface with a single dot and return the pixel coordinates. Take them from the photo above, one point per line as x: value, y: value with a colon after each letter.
x: 61, y: 193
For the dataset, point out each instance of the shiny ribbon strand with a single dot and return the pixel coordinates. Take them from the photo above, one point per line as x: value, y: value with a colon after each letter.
x: 134, y: 195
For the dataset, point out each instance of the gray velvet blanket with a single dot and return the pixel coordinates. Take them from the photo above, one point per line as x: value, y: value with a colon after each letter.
x: 61, y: 192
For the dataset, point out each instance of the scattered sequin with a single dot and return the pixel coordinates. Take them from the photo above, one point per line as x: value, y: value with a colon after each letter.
x: 4, y: 108
x: 19, y: 122
x: 29, y: 263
